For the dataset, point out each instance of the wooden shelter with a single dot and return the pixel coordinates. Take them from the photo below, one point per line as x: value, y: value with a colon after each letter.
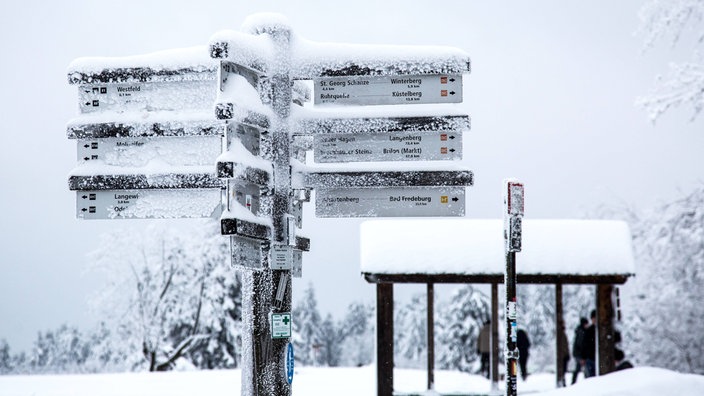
x: 431, y: 251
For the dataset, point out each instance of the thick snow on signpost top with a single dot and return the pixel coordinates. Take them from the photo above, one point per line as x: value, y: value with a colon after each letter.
x: 463, y: 246
x: 195, y: 59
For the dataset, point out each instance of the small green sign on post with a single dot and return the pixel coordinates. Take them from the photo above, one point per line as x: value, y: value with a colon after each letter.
x: 281, y: 325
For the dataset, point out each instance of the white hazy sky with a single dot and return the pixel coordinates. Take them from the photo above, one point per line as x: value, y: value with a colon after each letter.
x: 551, y: 96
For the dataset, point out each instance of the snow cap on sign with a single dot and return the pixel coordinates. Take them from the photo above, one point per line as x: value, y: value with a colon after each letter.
x: 169, y: 65
x: 311, y: 59
x: 265, y: 22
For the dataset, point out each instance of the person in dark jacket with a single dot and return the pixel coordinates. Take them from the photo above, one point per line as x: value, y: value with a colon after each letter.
x: 564, y: 350
x: 621, y: 363
x: 577, y: 346
x: 484, y: 347
x: 589, y: 348
x: 523, y: 345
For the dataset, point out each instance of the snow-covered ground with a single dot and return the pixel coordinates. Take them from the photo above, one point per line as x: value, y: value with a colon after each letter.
x: 310, y: 381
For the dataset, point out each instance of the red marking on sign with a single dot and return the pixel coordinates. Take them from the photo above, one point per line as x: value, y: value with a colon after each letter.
x: 518, y: 189
x: 443, y: 150
x: 443, y: 137
x: 443, y: 92
x: 443, y: 80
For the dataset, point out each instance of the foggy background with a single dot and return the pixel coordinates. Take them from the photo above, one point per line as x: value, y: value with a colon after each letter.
x: 551, y: 97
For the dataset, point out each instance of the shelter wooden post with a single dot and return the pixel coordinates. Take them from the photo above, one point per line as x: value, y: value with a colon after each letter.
x: 431, y: 336
x: 385, y: 339
x: 494, y: 368
x: 560, y: 341
x: 605, y: 329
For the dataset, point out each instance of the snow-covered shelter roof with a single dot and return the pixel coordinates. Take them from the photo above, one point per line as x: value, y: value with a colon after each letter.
x: 472, y: 251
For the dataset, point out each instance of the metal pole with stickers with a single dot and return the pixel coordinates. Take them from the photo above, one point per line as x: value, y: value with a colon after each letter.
x: 513, y: 216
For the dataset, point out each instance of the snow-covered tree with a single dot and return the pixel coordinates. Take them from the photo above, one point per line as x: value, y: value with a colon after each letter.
x: 6, y: 365
x: 59, y: 351
x: 306, y: 329
x: 458, y: 329
x: 663, y: 302
x: 358, y: 335
x: 172, y: 297
x: 684, y: 84
x: 330, y: 340
x: 106, y: 355
x: 411, y: 335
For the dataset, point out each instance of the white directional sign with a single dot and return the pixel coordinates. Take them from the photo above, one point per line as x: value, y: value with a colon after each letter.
x: 148, y: 204
x: 393, y: 146
x: 147, y: 96
x: 281, y: 257
x: 136, y: 152
x: 388, y: 90
x: 390, y: 202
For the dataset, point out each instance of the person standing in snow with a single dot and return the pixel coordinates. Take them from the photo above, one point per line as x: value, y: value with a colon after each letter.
x: 577, y: 346
x: 621, y: 363
x: 523, y: 345
x: 564, y: 350
x: 484, y: 347
x: 589, y: 348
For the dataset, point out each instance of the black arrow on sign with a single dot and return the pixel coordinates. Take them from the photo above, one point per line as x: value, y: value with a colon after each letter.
x: 452, y: 150
x: 452, y: 80
x: 87, y: 103
x: 84, y: 197
x: 452, y: 92
x: 84, y: 210
x: 455, y: 199
x: 86, y: 158
x: 452, y: 136
x: 86, y: 145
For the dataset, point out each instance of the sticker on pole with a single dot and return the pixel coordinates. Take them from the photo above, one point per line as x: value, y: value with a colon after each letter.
x: 289, y: 363
x: 511, y: 308
x: 515, y: 198
x: 281, y: 325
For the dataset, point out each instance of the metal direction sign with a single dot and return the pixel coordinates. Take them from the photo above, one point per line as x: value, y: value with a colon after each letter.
x: 392, y: 146
x: 246, y: 252
x: 148, y: 204
x: 249, y: 136
x: 390, y: 202
x: 136, y: 152
x: 147, y: 96
x: 388, y: 90
x: 281, y: 325
x: 287, y: 258
x: 281, y: 257
x: 513, y: 217
x: 228, y: 69
x: 245, y: 194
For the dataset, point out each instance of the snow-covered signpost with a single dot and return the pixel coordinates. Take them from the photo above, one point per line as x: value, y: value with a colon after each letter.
x: 513, y: 217
x: 151, y: 146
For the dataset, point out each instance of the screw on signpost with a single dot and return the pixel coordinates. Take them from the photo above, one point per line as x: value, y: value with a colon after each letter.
x: 513, y: 215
